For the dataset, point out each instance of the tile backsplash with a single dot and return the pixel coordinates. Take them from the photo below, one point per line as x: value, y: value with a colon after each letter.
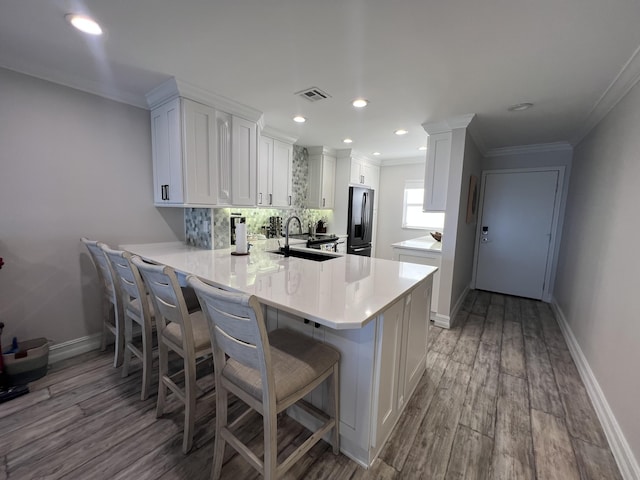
x: 209, y: 227
x: 198, y: 227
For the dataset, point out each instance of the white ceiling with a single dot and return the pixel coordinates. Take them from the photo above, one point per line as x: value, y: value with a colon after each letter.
x: 416, y: 61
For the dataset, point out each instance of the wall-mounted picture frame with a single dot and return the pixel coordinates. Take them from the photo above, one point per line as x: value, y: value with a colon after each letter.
x: 472, y: 200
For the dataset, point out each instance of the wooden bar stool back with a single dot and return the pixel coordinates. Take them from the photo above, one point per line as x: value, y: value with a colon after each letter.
x: 111, y: 300
x: 137, y: 309
x: 185, y: 333
x: 269, y: 372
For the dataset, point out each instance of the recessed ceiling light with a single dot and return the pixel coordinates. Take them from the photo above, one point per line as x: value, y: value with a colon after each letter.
x: 422, y: 148
x: 376, y: 153
x: 360, y: 103
x: 518, y: 107
x: 299, y: 119
x: 84, y: 23
x: 401, y: 132
x: 347, y: 140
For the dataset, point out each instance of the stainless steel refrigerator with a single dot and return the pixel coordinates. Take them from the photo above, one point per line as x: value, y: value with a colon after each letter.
x: 360, y: 226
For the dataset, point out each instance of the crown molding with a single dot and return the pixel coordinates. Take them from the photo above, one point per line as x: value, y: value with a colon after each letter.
x: 351, y: 153
x: 477, y: 138
x: 271, y: 132
x: 619, y: 87
x: 525, y: 149
x: 460, y: 121
x: 99, y: 89
x: 174, y: 87
x: 394, y: 162
x: 321, y: 150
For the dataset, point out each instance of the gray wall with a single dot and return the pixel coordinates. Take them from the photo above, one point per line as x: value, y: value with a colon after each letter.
x: 597, y: 277
x: 73, y: 164
x: 465, y: 236
x: 390, y: 205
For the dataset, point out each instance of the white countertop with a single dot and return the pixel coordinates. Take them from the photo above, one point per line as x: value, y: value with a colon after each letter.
x: 342, y: 293
x: 426, y: 243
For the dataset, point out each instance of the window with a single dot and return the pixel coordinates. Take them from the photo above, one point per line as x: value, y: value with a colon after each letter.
x: 412, y: 214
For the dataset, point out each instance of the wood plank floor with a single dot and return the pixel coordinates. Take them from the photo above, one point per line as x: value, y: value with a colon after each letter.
x: 501, y: 399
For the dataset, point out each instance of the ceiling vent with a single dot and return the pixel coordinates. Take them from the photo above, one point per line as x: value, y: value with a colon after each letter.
x: 313, y: 94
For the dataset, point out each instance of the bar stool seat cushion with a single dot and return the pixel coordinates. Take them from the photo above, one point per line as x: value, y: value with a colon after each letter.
x: 200, y: 328
x: 296, y: 362
x: 134, y: 306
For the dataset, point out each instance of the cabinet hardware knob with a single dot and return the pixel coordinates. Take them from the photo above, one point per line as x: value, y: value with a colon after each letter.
x: 260, y: 202
x: 289, y: 200
x: 306, y: 320
x: 271, y: 199
x: 323, y: 202
x: 317, y: 325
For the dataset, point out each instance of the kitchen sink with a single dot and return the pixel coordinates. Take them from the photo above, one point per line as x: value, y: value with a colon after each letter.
x: 316, y: 257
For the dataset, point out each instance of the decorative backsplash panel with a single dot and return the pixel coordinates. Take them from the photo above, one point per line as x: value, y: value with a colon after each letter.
x: 198, y: 227
x: 209, y: 228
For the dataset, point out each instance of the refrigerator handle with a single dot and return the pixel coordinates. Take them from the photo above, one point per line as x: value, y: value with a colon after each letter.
x: 366, y: 217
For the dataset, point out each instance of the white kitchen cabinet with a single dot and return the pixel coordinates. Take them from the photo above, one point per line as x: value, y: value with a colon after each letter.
x: 199, y: 158
x: 436, y: 177
x: 244, y: 156
x: 184, y: 148
x: 223, y: 129
x: 265, y: 177
x: 166, y: 143
x: 275, y: 173
x: 282, y: 174
x: 380, y: 367
x: 415, y: 336
x: 322, y: 177
x: 422, y: 257
x: 389, y: 348
x: 204, y: 147
x: 364, y: 173
x: 401, y: 356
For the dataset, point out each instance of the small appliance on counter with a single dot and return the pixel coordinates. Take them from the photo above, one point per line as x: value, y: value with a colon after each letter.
x: 235, y: 220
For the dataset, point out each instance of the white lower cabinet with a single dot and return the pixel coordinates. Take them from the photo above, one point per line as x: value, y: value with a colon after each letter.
x: 423, y: 257
x: 380, y: 366
x: 389, y: 347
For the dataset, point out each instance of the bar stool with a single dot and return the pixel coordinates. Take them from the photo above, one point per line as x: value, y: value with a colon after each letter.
x: 137, y: 309
x: 267, y: 372
x: 185, y: 333
x: 111, y: 300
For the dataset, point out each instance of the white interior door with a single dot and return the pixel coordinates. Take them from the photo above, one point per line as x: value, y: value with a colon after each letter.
x: 515, y: 232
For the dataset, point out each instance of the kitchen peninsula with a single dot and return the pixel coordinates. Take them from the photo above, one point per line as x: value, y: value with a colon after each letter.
x: 374, y: 311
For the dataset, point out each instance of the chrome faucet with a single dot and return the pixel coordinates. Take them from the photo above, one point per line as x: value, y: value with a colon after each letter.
x: 286, y: 230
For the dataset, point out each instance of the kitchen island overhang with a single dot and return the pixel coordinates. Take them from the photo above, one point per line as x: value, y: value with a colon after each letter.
x: 374, y: 311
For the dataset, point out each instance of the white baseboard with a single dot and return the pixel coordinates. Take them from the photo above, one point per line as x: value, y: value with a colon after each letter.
x: 77, y: 346
x: 623, y: 454
x: 444, y: 321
